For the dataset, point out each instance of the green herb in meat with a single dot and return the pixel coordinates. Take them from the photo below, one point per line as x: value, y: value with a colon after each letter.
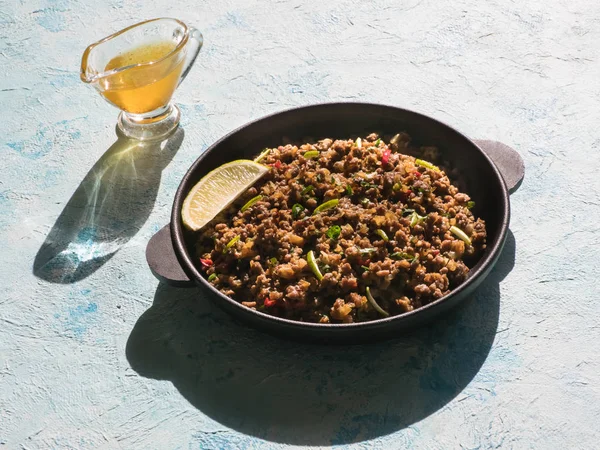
x: 334, y: 232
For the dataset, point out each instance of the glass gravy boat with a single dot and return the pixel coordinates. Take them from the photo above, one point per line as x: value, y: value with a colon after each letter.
x: 138, y: 70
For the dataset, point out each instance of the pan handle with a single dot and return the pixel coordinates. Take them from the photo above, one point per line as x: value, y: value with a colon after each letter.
x: 163, y: 261
x: 507, y: 160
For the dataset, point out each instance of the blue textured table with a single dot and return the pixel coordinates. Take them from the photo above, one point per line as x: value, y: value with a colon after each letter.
x: 94, y: 353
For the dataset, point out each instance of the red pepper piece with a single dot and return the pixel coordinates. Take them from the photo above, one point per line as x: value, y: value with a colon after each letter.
x: 386, y: 156
x: 417, y: 174
x: 276, y: 164
x: 206, y: 262
x: 404, y: 195
x: 268, y: 302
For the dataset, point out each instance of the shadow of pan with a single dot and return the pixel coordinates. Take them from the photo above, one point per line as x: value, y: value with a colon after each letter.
x: 309, y: 394
x: 108, y: 208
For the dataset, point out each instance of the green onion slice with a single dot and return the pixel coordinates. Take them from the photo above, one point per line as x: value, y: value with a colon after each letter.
x: 426, y: 164
x: 231, y: 243
x: 251, y: 202
x: 264, y: 153
x: 402, y: 255
x: 460, y: 234
x: 296, y: 210
x: 471, y: 204
x: 382, y: 234
x: 375, y: 305
x: 213, y: 276
x: 349, y: 190
x: 377, y: 142
x: 365, y: 251
x: 307, y: 189
x: 333, y: 232
x: 312, y: 263
x: 415, y: 219
x: 325, y: 206
x: 311, y: 154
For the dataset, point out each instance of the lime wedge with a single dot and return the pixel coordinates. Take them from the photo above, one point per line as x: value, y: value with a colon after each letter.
x: 217, y: 190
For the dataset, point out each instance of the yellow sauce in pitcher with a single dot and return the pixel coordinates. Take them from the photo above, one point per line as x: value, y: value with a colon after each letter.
x: 145, y: 88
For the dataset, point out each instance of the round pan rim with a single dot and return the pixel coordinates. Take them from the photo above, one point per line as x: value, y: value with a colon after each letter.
x: 190, y: 269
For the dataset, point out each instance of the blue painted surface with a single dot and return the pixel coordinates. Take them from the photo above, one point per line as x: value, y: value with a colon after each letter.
x: 95, y: 354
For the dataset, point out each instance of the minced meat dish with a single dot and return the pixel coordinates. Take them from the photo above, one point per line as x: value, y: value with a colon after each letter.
x: 344, y: 231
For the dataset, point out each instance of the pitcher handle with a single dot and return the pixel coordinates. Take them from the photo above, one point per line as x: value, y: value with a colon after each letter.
x: 196, y: 40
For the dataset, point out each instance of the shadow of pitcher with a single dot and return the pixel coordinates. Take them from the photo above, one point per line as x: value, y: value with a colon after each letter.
x: 108, y: 208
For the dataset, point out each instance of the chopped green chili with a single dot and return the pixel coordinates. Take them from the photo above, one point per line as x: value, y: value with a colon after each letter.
x: 325, y: 206
x: 296, y: 210
x: 402, y: 255
x: 333, y: 232
x: 231, y: 243
x: 308, y: 189
x: 383, y: 235
x: 213, y: 276
x: 364, y: 251
x: 312, y: 263
x: 377, y: 142
x: 368, y: 185
x: 426, y: 164
x: 349, y: 190
x: 264, y: 153
x: 471, y: 204
x: 460, y: 234
x: 311, y: 154
x: 375, y: 305
x: 415, y: 219
x: 251, y: 202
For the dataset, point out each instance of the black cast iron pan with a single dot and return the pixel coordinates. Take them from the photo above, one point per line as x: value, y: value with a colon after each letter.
x: 490, y: 171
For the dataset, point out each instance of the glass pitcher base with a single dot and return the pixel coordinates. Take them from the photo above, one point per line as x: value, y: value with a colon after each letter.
x: 144, y: 129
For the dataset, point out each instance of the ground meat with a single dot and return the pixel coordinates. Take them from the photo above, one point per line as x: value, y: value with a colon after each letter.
x: 390, y: 230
